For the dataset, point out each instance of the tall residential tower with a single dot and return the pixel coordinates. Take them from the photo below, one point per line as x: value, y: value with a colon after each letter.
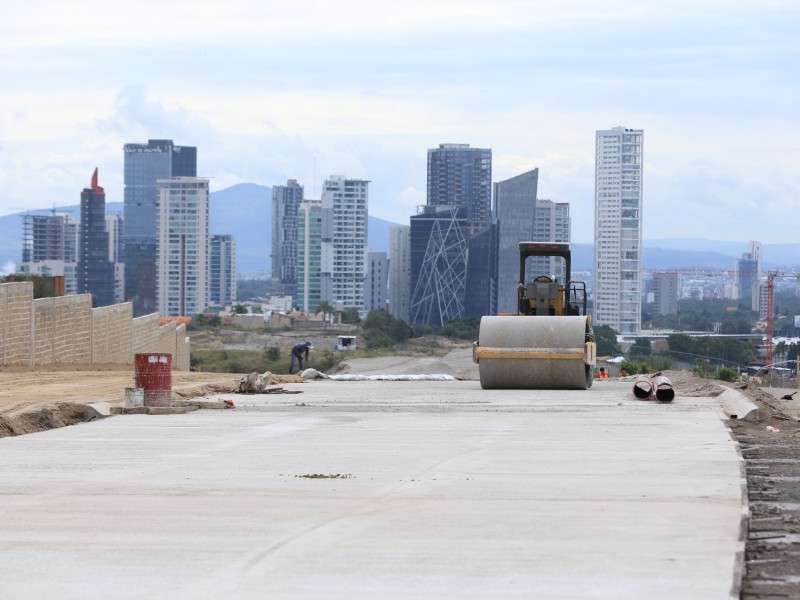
x: 95, y: 270
x: 618, y: 229
x: 145, y: 164
x: 286, y: 200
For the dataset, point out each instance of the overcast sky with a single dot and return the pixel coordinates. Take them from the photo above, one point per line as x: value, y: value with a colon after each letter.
x: 270, y: 90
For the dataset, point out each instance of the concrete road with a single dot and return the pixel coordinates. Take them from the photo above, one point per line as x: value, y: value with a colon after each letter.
x: 380, y: 490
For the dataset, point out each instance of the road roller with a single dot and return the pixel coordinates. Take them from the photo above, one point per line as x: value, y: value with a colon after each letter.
x: 549, y: 343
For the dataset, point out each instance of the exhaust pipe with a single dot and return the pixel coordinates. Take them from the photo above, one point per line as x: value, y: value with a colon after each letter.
x: 642, y: 388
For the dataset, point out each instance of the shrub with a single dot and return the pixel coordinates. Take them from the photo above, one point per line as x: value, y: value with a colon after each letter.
x: 726, y: 374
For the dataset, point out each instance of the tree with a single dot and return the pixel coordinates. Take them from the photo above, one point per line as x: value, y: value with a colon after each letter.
x: 326, y: 308
x: 606, y: 339
x: 350, y: 315
x: 239, y: 309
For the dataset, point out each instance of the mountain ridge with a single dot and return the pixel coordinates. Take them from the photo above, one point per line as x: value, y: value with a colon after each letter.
x: 244, y: 210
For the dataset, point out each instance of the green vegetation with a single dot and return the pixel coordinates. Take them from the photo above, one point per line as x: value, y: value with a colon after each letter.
x: 381, y: 330
x: 247, y: 361
x: 723, y: 349
x: 606, y: 339
x: 703, y: 315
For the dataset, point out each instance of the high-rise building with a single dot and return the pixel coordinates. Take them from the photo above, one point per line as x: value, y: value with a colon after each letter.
x: 748, y: 274
x: 665, y: 293
x: 461, y: 176
x: 551, y: 224
x: 50, y: 248
x: 459, y: 205
x: 344, y: 240
x: 95, y: 271
x: 514, y: 214
x: 114, y: 228
x: 376, y: 281
x: 481, y: 279
x: 400, y: 272
x: 618, y: 229
x: 309, y: 255
x: 438, y: 264
x: 286, y: 200
x: 182, y: 273
x: 222, y: 270
x: 145, y: 165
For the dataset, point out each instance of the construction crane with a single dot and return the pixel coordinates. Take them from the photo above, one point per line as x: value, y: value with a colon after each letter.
x: 771, y: 308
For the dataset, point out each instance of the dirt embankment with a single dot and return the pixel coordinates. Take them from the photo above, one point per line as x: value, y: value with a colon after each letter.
x: 32, y: 400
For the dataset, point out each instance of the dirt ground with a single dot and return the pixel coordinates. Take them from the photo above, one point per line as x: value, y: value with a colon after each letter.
x: 33, y: 400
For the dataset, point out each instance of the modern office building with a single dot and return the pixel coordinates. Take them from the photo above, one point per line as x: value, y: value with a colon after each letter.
x: 665, y: 293
x: 222, y: 270
x: 459, y: 206
x: 480, y: 289
x: 461, y: 176
x: 551, y: 224
x: 438, y: 241
x: 95, y: 271
x: 514, y: 214
x: 286, y: 200
x: 376, y: 281
x: 400, y: 272
x: 618, y: 229
x: 309, y: 255
x: 145, y: 165
x: 344, y: 241
x: 183, y: 253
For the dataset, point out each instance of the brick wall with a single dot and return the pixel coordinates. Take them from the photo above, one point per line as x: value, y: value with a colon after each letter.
x: 112, y: 334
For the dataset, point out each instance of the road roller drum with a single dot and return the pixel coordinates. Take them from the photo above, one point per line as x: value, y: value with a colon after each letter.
x: 535, y: 352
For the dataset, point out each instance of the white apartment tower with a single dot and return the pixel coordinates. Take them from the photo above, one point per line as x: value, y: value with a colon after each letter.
x: 618, y: 229
x: 344, y: 240
x: 551, y: 223
x: 400, y: 272
x: 183, y: 254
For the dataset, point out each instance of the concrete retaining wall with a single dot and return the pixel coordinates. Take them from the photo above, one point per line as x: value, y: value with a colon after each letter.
x: 112, y: 334
x: 16, y: 323
x: 62, y: 330
x: 68, y: 330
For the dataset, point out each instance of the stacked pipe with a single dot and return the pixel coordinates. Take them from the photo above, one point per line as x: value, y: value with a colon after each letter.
x: 658, y: 387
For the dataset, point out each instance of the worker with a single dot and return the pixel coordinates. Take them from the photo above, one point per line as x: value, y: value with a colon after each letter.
x: 297, y: 353
x: 603, y: 374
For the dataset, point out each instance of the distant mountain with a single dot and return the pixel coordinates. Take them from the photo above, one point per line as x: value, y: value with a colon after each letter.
x: 245, y: 211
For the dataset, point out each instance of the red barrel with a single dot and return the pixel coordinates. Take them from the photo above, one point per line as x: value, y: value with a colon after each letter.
x: 154, y: 374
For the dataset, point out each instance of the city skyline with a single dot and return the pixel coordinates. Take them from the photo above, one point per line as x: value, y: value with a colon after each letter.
x: 713, y: 85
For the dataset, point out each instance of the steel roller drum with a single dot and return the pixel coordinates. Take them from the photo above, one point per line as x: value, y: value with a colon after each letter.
x: 534, y: 335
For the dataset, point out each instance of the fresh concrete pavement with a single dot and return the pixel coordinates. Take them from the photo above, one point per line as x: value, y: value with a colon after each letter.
x: 429, y: 489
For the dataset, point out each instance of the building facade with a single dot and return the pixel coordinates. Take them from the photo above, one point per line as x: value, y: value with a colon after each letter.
x: 460, y: 176
x: 551, y: 224
x: 309, y: 256
x: 95, y: 271
x: 438, y: 264
x: 183, y: 253
x: 376, y: 281
x: 618, y: 229
x: 222, y: 270
x: 145, y: 165
x: 459, y: 206
x: 514, y: 214
x: 50, y: 248
x: 344, y: 241
x: 286, y: 200
x: 666, y: 290
x: 400, y: 272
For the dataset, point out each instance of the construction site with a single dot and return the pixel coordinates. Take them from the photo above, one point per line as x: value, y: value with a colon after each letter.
x: 379, y: 481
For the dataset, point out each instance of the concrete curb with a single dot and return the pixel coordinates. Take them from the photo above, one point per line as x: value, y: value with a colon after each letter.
x: 736, y: 405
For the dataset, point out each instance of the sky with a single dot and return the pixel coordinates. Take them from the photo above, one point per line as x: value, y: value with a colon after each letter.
x: 272, y: 90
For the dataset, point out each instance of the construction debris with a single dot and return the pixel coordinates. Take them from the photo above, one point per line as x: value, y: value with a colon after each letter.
x: 254, y: 383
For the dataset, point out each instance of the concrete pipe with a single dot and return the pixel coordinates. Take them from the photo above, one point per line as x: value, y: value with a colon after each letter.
x: 642, y: 387
x: 535, y: 352
x: 662, y: 388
